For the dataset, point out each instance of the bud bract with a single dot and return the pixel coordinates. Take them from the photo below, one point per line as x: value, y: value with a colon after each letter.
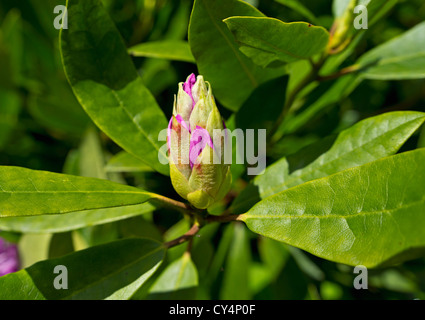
x: 341, y: 31
x: 196, y: 138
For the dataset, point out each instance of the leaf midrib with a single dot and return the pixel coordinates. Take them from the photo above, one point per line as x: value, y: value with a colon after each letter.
x: 330, y: 216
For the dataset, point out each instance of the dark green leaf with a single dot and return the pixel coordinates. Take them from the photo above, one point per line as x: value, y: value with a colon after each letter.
x: 111, y: 271
x: 235, y: 279
x: 269, y: 41
x: 10, y: 106
x: 233, y: 76
x: 107, y: 85
x: 300, y: 8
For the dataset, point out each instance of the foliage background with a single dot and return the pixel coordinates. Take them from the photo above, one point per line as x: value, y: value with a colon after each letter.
x: 43, y: 127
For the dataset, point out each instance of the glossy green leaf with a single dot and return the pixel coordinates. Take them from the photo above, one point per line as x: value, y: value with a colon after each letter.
x: 107, y: 85
x: 166, y: 49
x: 366, y: 141
x: 232, y: 75
x: 93, y: 273
x: 367, y: 215
x: 125, y: 162
x: 177, y: 281
x: 397, y: 59
x: 25, y: 192
x: 269, y: 41
x: 72, y: 220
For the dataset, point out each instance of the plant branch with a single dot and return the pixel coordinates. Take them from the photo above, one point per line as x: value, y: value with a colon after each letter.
x: 186, y: 237
x: 291, y: 98
x: 340, y: 73
x: 171, y: 203
x: 221, y: 219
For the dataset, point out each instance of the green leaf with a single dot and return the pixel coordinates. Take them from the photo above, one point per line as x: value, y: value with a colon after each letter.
x: 300, y: 8
x: 219, y: 257
x: 33, y: 248
x: 364, y: 215
x: 270, y: 42
x: 167, y: 49
x: 236, y: 277
x: 60, y: 245
x: 11, y: 49
x: 232, y: 75
x: 25, y: 192
x: 271, y: 94
x: 339, y: 6
x: 111, y: 271
x: 177, y: 281
x: 366, y: 141
x: 125, y: 162
x: 397, y: 59
x: 329, y: 95
x: 92, y: 159
x: 10, y: 106
x: 57, y: 109
x: 376, y: 8
x: 72, y: 220
x: 107, y: 85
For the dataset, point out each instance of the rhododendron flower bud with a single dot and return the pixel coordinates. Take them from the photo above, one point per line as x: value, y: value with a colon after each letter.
x: 197, y: 167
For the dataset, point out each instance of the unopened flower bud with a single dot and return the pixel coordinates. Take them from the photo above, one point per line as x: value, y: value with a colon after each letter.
x: 197, y: 169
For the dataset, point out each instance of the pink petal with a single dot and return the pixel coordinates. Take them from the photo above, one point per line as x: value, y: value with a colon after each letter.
x: 9, y: 258
x: 199, y: 140
x: 170, y: 125
x: 182, y: 122
x: 188, y: 85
